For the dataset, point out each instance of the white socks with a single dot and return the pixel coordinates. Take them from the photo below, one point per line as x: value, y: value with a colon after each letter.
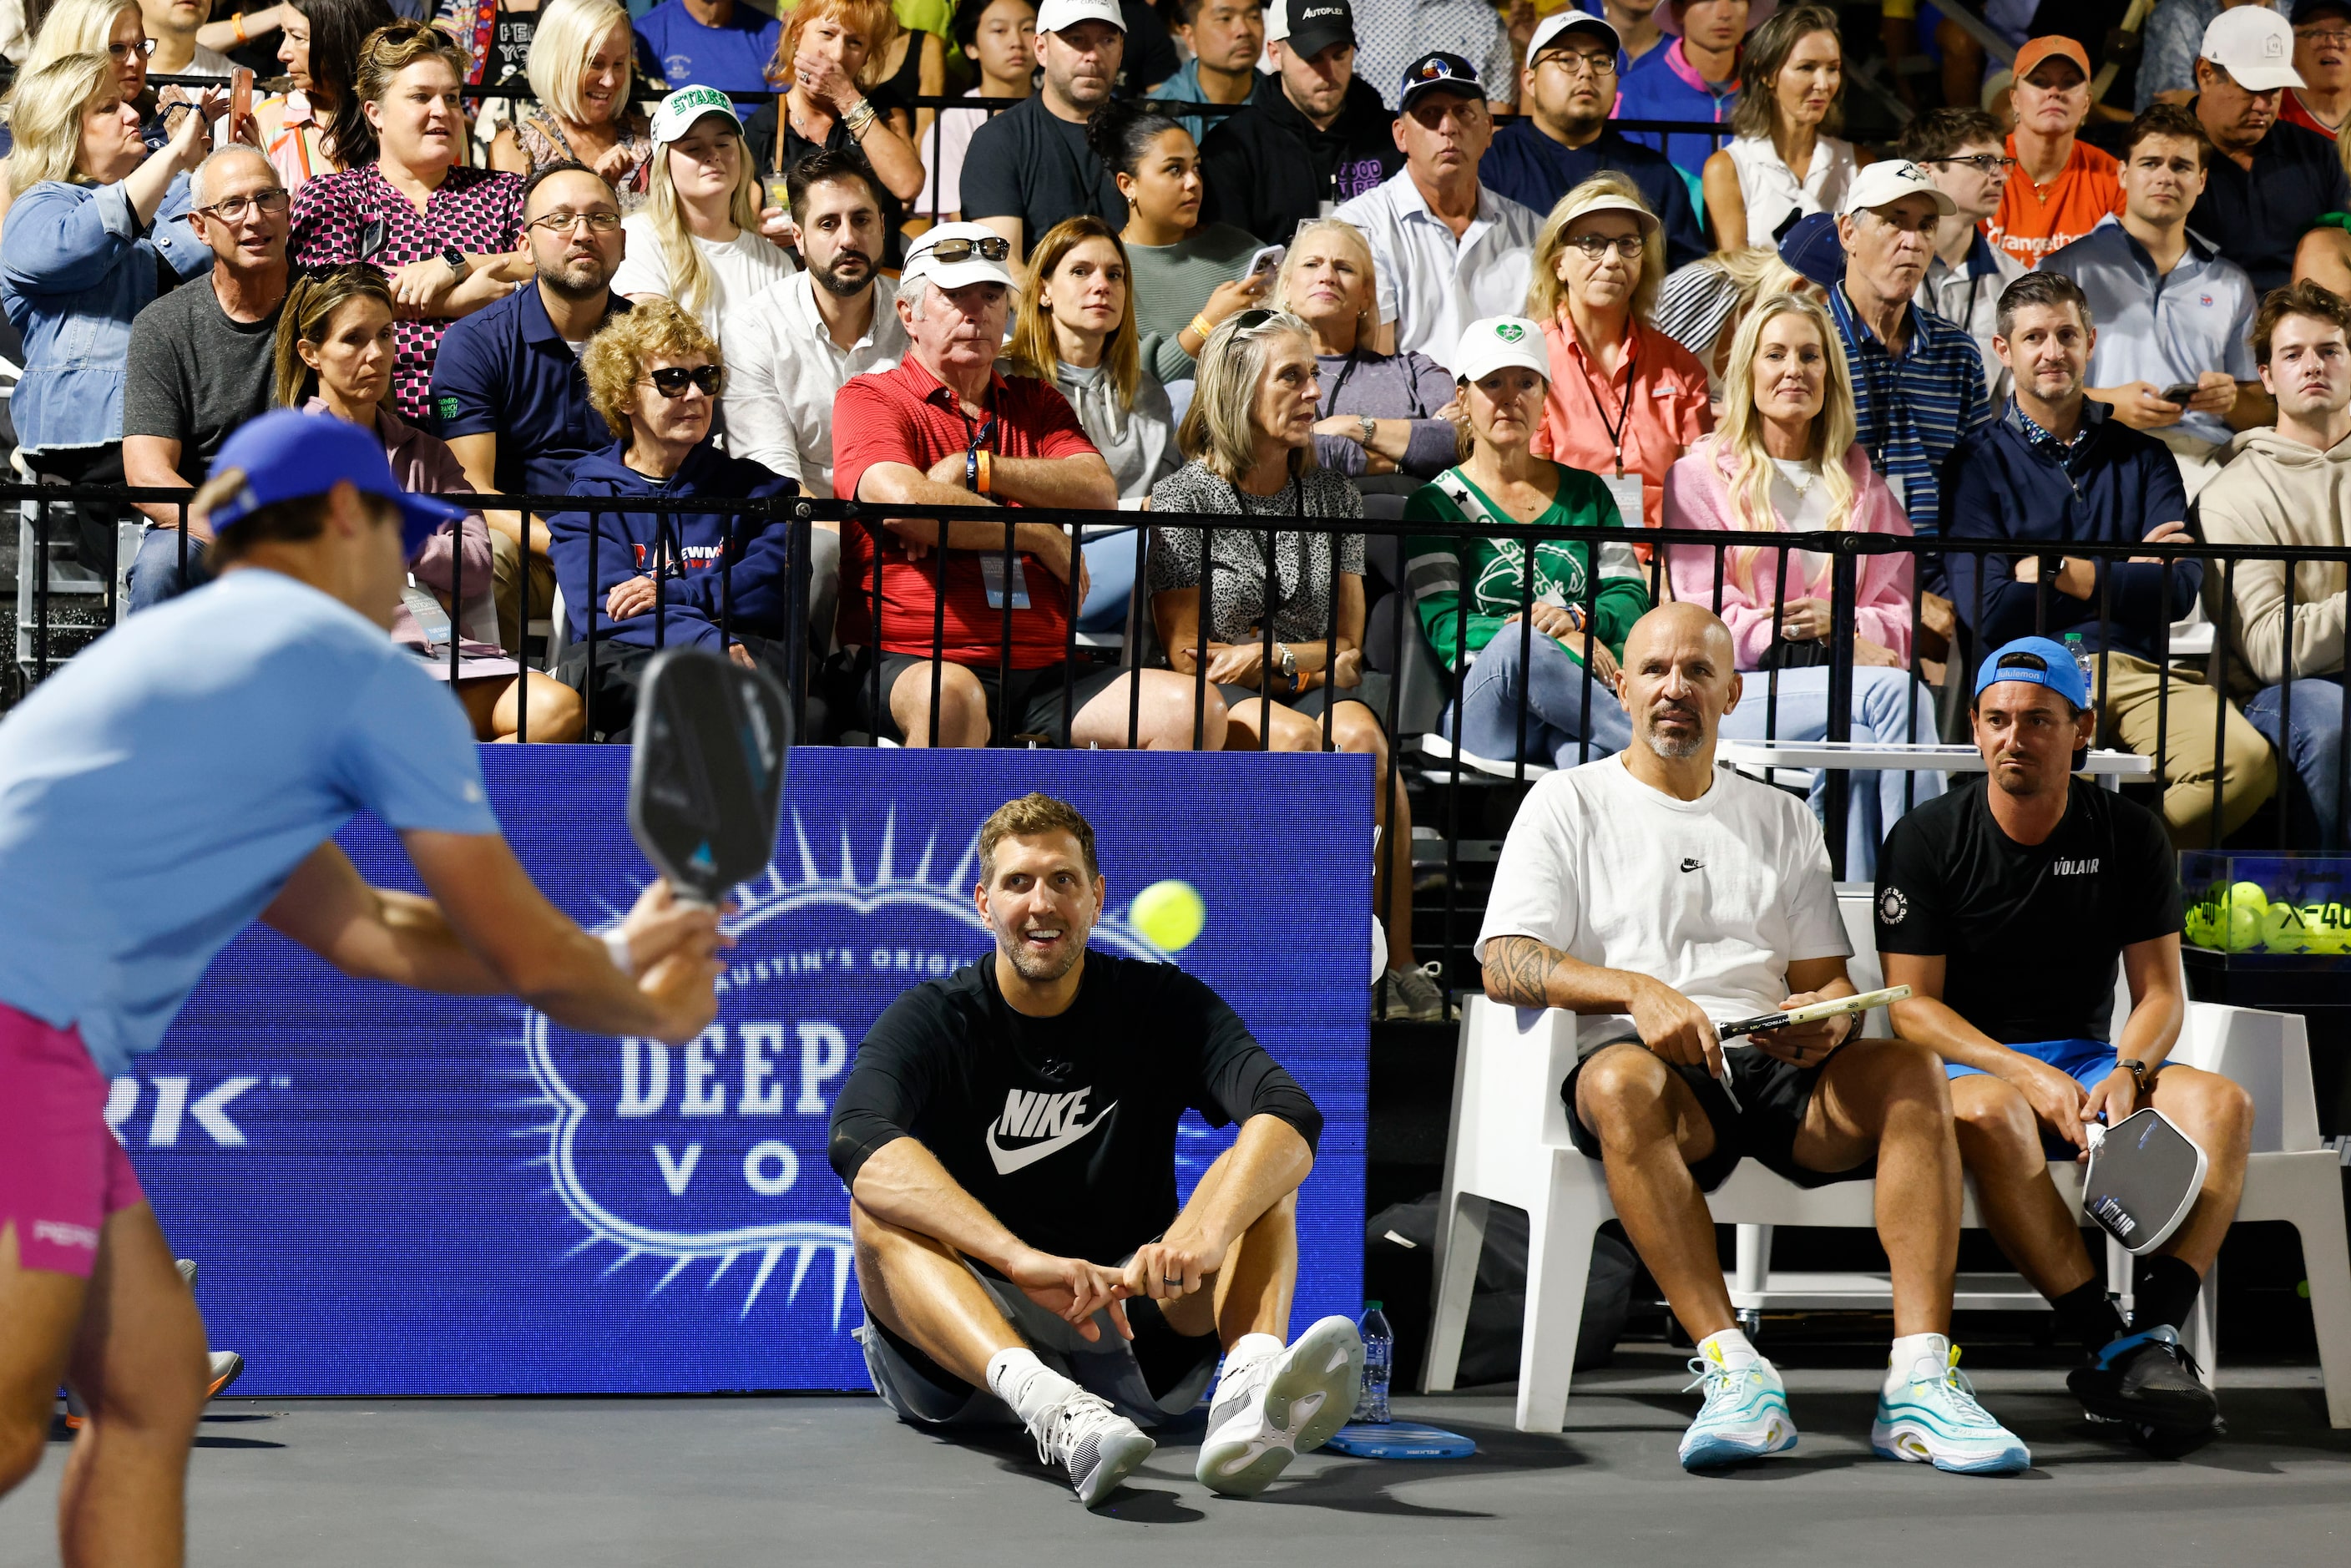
x: 1909, y: 1350
x: 1729, y: 1348
x: 1025, y: 1382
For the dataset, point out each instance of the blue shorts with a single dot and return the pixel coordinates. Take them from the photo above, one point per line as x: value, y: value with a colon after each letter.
x: 2089, y: 1060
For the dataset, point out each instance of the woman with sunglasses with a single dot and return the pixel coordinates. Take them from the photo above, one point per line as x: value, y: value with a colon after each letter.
x: 1625, y: 401
x: 334, y: 360
x: 668, y: 578
x: 1250, y: 434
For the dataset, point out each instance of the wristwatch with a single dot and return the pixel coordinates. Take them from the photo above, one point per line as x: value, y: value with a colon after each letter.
x: 2137, y: 1070
x: 457, y: 263
x: 1371, y: 427
x: 1287, y: 663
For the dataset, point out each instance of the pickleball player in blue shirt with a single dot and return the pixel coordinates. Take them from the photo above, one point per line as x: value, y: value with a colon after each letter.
x: 179, y: 778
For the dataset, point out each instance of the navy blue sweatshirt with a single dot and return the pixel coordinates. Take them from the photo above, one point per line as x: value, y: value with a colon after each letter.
x: 2116, y: 485
x: 758, y: 577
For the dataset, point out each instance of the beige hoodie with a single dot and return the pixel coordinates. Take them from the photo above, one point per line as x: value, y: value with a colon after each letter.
x: 2278, y: 491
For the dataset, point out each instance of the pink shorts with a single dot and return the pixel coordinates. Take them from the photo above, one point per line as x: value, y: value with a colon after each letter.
x: 62, y: 1174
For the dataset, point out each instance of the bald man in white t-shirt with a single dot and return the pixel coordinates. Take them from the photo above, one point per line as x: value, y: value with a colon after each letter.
x: 1658, y: 897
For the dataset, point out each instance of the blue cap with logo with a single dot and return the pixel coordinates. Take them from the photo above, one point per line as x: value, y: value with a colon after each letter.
x: 286, y: 455
x: 1439, y: 71
x: 2038, y: 662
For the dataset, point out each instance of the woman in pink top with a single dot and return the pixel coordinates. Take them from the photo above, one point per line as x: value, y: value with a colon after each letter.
x: 1785, y: 461
x: 1625, y: 401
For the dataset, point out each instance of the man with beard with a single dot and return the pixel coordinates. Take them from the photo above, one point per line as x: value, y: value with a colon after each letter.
x: 1314, y: 134
x: 1031, y: 167
x: 1660, y: 897
x: 1007, y: 1134
x: 790, y: 347
x: 507, y: 388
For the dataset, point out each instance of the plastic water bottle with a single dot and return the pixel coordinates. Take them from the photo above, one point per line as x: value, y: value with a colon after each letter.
x: 1379, y: 1354
x: 2081, y: 652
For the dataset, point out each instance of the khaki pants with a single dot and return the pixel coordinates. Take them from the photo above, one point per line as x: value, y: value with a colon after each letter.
x: 2135, y: 710
x: 506, y: 571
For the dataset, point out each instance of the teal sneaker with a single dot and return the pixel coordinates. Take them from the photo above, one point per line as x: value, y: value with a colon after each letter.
x: 1745, y: 1415
x: 1935, y: 1420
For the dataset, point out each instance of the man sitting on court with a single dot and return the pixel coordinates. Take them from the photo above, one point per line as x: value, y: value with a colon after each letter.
x: 1009, y: 1136
x: 2004, y: 905
x: 1660, y: 897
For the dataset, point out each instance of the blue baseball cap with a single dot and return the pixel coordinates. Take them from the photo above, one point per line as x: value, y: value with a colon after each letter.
x: 286, y: 455
x: 1810, y: 245
x: 1439, y: 70
x: 2037, y: 661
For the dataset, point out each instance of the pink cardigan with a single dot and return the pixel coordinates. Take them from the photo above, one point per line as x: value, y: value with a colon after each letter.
x: 1698, y: 496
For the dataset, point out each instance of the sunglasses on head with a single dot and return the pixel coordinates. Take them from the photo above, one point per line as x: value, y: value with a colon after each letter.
x: 995, y: 247
x: 671, y: 381
x: 1249, y: 321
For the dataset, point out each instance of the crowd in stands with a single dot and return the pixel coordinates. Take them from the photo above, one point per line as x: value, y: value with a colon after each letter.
x: 1325, y: 255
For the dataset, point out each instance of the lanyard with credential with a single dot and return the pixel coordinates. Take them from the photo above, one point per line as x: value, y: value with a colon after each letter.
x: 1624, y: 408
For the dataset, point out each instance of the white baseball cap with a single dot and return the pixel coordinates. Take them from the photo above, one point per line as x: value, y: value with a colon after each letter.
x: 1494, y: 342
x: 971, y: 266
x: 2255, y: 45
x: 1060, y: 15
x: 1558, y: 22
x: 678, y: 111
x: 1882, y: 183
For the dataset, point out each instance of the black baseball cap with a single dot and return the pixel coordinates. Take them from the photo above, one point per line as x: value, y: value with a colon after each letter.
x: 1437, y: 71
x: 1316, y: 25
x: 2304, y: 10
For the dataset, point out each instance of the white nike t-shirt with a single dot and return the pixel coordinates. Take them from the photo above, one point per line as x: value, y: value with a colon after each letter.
x: 1715, y: 896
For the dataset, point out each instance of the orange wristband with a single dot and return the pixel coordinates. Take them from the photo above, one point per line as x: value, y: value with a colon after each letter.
x: 985, y: 478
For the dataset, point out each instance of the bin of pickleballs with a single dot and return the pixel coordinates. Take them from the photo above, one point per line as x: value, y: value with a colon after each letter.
x: 2267, y: 929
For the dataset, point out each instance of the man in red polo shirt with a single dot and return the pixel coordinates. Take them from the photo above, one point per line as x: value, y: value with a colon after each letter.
x: 2060, y: 187
x: 944, y: 429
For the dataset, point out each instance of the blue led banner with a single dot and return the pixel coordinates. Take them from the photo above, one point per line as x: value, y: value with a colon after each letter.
x: 397, y: 1194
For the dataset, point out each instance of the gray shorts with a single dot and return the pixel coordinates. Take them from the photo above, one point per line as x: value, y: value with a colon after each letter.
x: 1156, y: 1376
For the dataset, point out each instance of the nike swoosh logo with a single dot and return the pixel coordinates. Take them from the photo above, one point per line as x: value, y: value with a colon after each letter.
x: 1688, y: 864
x: 1010, y: 1160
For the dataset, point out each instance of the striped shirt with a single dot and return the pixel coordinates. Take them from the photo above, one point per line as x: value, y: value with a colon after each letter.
x: 1911, y: 409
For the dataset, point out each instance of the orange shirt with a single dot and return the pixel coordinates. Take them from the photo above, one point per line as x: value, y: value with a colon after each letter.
x: 1656, y: 402
x: 2033, y: 221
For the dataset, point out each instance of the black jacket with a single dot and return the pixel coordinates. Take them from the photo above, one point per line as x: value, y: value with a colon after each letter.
x: 1268, y: 169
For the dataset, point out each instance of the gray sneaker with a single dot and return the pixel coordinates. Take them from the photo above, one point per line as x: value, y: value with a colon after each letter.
x: 1096, y: 1445
x: 1281, y: 1405
x: 1413, y: 996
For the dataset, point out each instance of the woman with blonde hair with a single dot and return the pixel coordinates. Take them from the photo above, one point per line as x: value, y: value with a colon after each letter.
x: 1382, y: 413
x: 1250, y: 435
x: 677, y: 579
x: 1700, y: 305
x: 1782, y: 163
x: 1624, y: 401
x: 334, y: 358
x: 582, y: 64
x: 829, y: 61
x: 115, y: 28
x: 696, y: 240
x: 1785, y: 461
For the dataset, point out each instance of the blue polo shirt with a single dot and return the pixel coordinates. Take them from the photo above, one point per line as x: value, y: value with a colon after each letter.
x: 505, y: 370
x: 1535, y: 171
x: 733, y: 58
x: 1911, y: 409
x: 1663, y: 84
x: 2163, y: 327
x: 2011, y: 479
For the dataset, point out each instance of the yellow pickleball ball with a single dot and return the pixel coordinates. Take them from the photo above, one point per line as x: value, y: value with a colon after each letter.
x: 2286, y: 929
x: 1170, y: 912
x: 2247, y: 906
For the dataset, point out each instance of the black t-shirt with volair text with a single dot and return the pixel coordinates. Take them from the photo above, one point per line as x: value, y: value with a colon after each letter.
x: 2030, y: 933
x: 1062, y: 1128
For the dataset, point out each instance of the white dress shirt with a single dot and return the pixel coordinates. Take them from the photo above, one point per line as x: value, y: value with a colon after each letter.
x: 782, y: 371
x: 1432, y: 285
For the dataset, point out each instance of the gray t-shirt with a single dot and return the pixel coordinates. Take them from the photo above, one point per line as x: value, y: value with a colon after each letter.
x: 194, y: 375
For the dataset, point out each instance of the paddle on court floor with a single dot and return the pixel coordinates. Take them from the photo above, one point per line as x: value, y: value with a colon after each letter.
x: 707, y: 779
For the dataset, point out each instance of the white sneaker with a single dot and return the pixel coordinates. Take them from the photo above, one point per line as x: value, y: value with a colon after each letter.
x: 1096, y: 1445
x: 1934, y: 1419
x: 1270, y: 1410
x: 1745, y: 1415
x: 1413, y: 996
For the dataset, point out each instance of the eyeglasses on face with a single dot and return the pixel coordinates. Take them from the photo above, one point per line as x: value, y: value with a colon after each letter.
x: 561, y: 222
x: 232, y: 209
x: 2324, y: 37
x: 123, y: 52
x: 995, y: 247
x: 1982, y: 163
x: 1576, y: 63
x: 671, y: 381
x: 1594, y: 247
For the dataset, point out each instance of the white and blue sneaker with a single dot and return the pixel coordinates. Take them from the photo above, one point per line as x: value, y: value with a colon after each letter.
x: 1745, y: 1415
x: 1931, y: 1417
x: 1273, y: 1403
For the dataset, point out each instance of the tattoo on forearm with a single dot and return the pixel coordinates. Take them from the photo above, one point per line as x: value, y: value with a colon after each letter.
x: 1519, y: 971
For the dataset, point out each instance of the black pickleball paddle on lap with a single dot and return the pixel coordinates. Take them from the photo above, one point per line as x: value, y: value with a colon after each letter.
x: 2143, y: 1179
x: 706, y: 774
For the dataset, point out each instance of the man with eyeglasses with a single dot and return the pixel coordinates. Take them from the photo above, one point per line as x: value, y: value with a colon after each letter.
x: 2061, y: 187
x: 1962, y: 150
x: 507, y: 388
x: 201, y: 359
x: 1314, y: 134
x: 2322, y: 57
x: 2268, y: 181
x: 1564, y: 139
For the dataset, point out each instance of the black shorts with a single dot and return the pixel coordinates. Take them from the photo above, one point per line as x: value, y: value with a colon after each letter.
x: 1773, y: 1096
x: 1036, y: 696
